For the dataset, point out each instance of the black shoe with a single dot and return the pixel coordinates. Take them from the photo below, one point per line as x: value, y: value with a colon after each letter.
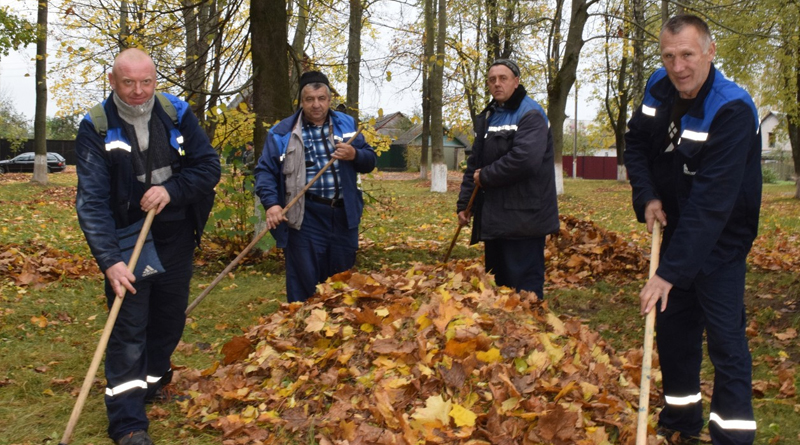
x: 673, y: 437
x: 135, y: 438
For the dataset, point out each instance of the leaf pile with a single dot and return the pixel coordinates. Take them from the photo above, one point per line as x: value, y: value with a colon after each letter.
x: 776, y: 251
x: 35, y: 265
x: 433, y: 354
x: 15, y: 177
x: 582, y: 253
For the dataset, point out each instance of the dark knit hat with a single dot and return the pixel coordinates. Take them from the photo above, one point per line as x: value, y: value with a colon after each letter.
x: 508, y: 63
x: 313, y: 77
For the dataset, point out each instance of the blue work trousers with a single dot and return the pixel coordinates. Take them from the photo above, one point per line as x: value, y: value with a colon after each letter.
x: 517, y: 263
x: 146, y: 332
x: 324, y: 246
x: 714, y: 304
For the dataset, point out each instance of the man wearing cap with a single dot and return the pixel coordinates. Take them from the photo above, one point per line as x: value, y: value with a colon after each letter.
x: 319, y: 234
x: 512, y: 163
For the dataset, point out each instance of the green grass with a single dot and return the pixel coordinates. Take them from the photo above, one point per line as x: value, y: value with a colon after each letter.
x: 403, y: 223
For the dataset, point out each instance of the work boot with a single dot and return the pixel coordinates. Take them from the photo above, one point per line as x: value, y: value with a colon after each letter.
x: 135, y: 438
x: 673, y: 437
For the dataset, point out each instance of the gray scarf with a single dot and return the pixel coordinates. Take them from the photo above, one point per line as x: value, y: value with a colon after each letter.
x: 137, y: 119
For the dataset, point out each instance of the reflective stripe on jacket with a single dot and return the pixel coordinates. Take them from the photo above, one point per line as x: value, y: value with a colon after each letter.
x: 709, y: 185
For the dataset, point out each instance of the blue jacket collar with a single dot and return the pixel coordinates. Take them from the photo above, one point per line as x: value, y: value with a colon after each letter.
x: 512, y: 104
x: 664, y: 91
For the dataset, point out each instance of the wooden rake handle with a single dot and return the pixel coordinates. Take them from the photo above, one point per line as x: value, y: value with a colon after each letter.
x: 458, y: 230
x: 255, y: 240
x: 101, y: 345
x: 647, y: 357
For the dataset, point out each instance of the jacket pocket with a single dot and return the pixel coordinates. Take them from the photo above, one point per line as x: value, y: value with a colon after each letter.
x: 496, y: 145
x: 521, y: 196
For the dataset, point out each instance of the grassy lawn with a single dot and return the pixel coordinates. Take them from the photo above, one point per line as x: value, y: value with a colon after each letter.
x: 48, y: 331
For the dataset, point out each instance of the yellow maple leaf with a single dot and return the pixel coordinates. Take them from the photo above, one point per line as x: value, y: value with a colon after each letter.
x: 537, y: 359
x: 249, y: 414
x: 556, y: 354
x: 423, y: 321
x: 588, y: 390
x: 462, y: 416
x: 447, y: 311
x: 316, y: 321
x: 436, y: 410
x: 490, y: 356
x: 556, y: 324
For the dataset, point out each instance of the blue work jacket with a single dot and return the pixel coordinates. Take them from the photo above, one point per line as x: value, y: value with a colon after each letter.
x: 281, y: 174
x: 709, y: 184
x: 109, y: 194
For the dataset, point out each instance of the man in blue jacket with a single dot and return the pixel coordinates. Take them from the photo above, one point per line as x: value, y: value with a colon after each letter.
x: 319, y: 234
x: 693, y: 156
x: 512, y: 163
x: 133, y: 157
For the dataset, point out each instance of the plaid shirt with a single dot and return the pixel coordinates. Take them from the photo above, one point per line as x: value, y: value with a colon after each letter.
x: 318, y: 150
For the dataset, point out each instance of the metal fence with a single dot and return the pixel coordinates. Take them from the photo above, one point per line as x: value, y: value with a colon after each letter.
x: 784, y: 171
x: 591, y: 167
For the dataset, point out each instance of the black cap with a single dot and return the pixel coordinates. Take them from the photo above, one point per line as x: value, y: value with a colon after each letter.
x: 313, y: 77
x: 508, y: 63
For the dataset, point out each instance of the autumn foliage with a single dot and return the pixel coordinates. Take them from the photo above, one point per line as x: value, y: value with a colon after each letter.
x: 36, y: 265
x: 582, y: 253
x: 433, y: 354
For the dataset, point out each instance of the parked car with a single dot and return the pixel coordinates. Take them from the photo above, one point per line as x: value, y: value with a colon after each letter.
x: 24, y: 163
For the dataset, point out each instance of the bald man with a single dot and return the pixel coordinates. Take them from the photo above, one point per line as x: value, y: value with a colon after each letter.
x: 151, y: 154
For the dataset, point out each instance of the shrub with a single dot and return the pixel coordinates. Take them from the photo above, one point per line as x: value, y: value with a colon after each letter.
x: 769, y: 176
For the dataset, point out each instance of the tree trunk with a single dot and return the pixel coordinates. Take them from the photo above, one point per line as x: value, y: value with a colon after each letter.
x: 271, y: 101
x: 794, y: 129
x: 438, y: 167
x: 622, y: 96
x: 200, y: 20
x: 269, y: 36
x: 637, y: 85
x: 794, y: 140
x: 124, y: 30
x: 298, y: 48
x: 354, y: 58
x: 794, y: 132
x: 492, y: 33
x: 211, y: 126
x: 561, y: 78
x: 40, y: 119
x: 427, y: 68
